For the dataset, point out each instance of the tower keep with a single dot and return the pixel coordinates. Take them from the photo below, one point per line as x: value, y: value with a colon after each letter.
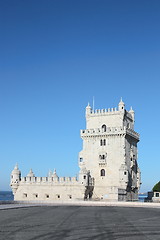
x: 110, y: 153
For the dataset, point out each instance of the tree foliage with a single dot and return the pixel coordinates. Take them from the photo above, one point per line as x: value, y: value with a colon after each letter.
x: 156, y: 187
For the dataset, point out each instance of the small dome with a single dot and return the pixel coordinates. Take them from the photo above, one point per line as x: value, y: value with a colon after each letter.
x: 88, y: 106
x: 50, y: 173
x: 121, y: 102
x: 30, y: 174
x: 16, y: 170
x: 54, y: 174
x: 131, y: 110
x: 121, y: 105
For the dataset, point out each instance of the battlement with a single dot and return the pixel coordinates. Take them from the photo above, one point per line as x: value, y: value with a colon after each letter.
x: 110, y: 111
x: 109, y: 131
x: 49, y: 180
x: 104, y: 111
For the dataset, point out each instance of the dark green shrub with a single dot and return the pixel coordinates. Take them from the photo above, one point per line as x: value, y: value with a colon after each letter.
x: 156, y: 187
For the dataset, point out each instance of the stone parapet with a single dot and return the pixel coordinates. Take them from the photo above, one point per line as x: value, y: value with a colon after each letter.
x: 46, y: 180
x: 104, y: 111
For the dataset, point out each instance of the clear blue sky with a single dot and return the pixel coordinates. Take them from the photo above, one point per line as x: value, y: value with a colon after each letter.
x: 55, y: 55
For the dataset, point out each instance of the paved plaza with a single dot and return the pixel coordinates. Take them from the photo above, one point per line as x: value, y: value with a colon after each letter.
x: 79, y: 222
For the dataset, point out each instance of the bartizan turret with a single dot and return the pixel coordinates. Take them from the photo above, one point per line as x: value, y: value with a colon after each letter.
x: 121, y: 106
x: 88, y: 110
x: 15, y: 178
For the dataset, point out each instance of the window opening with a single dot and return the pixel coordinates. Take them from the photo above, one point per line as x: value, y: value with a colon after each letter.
x: 102, y: 172
x: 104, y: 127
x: 102, y: 142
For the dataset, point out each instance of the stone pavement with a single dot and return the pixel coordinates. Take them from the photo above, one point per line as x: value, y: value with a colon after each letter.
x: 79, y: 222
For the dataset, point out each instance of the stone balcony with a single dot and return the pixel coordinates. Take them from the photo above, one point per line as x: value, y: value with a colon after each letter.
x: 109, y: 131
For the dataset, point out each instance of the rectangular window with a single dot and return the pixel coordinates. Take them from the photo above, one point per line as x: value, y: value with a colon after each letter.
x: 103, y: 142
x: 157, y: 194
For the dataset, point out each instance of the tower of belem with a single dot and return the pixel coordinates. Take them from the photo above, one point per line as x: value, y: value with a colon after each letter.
x: 110, y: 153
x: 107, y: 162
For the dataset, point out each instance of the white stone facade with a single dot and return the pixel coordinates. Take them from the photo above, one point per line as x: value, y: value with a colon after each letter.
x: 108, y: 163
x: 110, y: 153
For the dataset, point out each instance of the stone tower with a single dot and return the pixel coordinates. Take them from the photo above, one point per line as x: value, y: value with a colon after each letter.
x: 15, y: 178
x: 110, y: 153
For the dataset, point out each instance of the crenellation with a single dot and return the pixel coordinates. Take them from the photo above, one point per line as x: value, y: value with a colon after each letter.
x: 39, y: 179
x: 61, y: 179
x: 104, y: 112
x: 44, y: 180
x: 23, y: 179
x: 68, y: 179
x: 74, y: 179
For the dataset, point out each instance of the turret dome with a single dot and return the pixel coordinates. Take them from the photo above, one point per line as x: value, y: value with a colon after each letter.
x: 121, y: 105
x: 30, y: 174
x: 55, y: 174
x: 16, y: 170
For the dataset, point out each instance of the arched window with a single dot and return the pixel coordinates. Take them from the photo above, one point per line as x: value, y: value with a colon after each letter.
x: 102, y: 172
x: 104, y: 142
x: 104, y: 127
x: 101, y: 142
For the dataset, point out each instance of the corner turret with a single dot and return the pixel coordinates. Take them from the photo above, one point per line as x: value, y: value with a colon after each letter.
x: 88, y: 109
x: 121, y: 106
x: 132, y: 113
x: 83, y: 175
x: 55, y: 176
x: 15, y: 178
x: 30, y: 174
